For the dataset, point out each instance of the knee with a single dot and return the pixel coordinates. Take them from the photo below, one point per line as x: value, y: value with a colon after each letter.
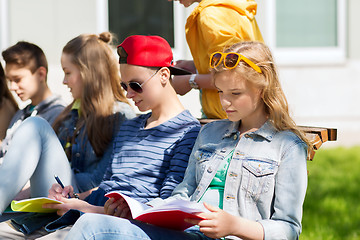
x: 92, y: 224
x: 87, y: 219
x: 36, y: 124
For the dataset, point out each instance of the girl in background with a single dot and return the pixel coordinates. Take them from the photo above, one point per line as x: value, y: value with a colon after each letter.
x: 79, y: 149
x: 249, y: 170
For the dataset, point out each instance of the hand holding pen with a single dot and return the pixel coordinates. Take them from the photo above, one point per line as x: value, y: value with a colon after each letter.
x: 62, y: 186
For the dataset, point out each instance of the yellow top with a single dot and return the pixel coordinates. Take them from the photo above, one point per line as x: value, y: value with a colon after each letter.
x: 213, y: 26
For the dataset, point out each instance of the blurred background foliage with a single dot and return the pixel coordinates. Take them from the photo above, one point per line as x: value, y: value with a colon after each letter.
x: 332, y: 206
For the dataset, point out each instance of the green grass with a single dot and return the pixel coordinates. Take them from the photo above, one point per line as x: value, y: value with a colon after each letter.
x: 332, y: 203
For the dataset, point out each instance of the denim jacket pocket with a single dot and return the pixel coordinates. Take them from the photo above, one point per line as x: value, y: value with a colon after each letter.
x: 258, y: 177
x: 203, y: 159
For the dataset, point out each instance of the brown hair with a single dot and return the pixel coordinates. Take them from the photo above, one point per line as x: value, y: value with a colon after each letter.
x: 99, y: 71
x: 4, y: 90
x: 276, y: 105
x: 25, y: 54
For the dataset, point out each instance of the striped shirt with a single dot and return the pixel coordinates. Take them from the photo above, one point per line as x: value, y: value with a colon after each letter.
x: 150, y: 163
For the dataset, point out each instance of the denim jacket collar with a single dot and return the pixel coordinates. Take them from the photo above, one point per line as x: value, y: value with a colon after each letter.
x: 266, y: 131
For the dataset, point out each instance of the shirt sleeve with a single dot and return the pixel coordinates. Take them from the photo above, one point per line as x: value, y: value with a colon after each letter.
x: 89, y: 180
x: 179, y: 161
x: 53, y: 113
x: 187, y: 187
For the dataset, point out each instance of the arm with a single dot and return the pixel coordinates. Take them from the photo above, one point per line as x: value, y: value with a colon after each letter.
x: 290, y: 190
x: 188, y: 185
x: 73, y: 203
x: 181, y: 83
x: 51, y: 114
x: 218, y: 224
x: 60, y: 194
x: 179, y: 162
x: 217, y: 34
x: 102, y: 171
x: 89, y: 180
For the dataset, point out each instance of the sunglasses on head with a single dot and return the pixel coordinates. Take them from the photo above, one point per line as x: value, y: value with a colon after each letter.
x: 230, y: 60
x: 137, y: 87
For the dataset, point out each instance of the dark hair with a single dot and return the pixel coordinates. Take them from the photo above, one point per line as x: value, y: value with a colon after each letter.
x: 4, y: 90
x: 25, y: 54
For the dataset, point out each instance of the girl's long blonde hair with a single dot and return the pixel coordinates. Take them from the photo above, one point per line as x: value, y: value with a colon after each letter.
x: 276, y: 105
x: 99, y: 70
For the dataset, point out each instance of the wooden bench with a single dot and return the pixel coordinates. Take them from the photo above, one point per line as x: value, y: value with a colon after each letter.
x: 317, y: 135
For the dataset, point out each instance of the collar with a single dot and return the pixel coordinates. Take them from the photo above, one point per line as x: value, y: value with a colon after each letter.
x: 76, y: 106
x: 267, y: 130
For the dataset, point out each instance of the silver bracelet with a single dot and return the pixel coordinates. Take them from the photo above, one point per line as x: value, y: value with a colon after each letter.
x: 192, y: 82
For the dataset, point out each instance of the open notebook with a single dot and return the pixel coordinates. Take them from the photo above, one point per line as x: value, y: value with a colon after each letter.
x: 33, y: 205
x: 168, y: 215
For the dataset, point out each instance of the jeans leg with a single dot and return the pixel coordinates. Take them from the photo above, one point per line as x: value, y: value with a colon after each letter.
x: 101, y: 227
x: 35, y: 154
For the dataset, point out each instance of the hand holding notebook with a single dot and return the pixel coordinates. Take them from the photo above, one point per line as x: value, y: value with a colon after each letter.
x: 34, y: 205
x: 168, y: 215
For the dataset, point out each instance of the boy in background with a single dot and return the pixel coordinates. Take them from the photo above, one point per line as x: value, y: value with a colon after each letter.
x: 26, y: 70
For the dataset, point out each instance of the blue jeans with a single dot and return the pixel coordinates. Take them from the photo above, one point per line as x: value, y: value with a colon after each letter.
x: 99, y: 226
x: 35, y: 154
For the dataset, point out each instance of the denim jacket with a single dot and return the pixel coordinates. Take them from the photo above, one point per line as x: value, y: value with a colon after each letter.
x: 88, y: 168
x: 266, y: 179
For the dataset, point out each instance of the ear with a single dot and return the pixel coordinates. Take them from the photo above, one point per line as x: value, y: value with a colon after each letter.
x: 42, y: 73
x: 164, y: 75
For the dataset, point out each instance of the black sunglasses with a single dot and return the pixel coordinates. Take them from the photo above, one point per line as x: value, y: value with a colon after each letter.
x: 137, y: 87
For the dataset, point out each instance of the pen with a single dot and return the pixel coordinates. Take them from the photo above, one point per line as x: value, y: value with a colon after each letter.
x: 60, y: 183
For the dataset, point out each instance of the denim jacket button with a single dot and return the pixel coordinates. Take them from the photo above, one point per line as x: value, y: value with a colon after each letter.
x: 232, y: 174
x: 229, y: 197
x: 77, y: 155
x: 235, y: 137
